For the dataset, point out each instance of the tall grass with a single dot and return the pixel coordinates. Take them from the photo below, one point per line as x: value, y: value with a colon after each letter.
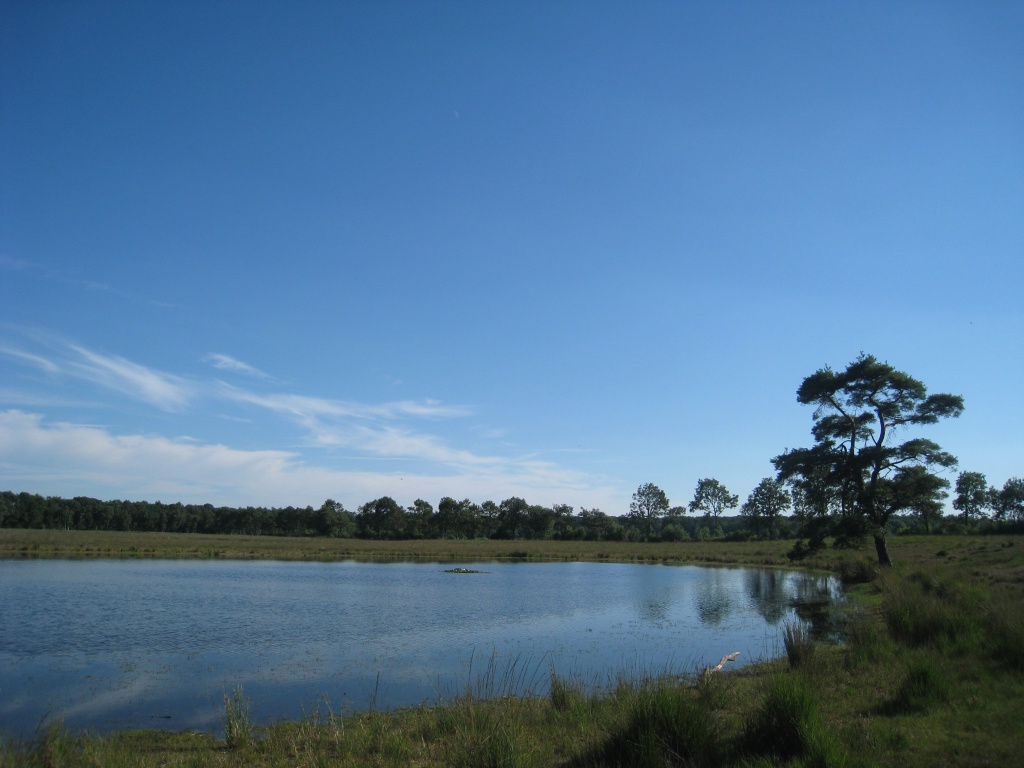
x: 958, y: 617
x: 786, y: 725
x: 664, y: 723
x: 238, y: 728
x: 566, y: 695
x: 925, y: 684
x: 484, y: 735
x: 796, y: 638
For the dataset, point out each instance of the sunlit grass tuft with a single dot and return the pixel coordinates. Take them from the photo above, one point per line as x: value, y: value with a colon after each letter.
x: 238, y: 728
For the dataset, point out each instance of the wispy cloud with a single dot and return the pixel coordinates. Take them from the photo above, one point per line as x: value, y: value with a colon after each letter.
x: 366, y: 427
x: 89, y: 459
x: 228, y: 363
x: 36, y: 360
x: 410, y: 443
x: 60, y: 357
x: 305, y: 407
x: 164, y: 390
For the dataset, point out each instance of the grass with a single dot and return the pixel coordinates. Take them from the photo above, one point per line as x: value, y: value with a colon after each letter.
x: 932, y: 674
x: 238, y: 729
x: 17, y: 543
x: 990, y: 558
x: 799, y: 646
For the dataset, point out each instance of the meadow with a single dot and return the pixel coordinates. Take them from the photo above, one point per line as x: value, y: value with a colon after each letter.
x: 932, y: 673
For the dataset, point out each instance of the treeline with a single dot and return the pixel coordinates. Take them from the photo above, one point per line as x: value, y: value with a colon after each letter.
x: 384, y: 518
x: 381, y: 518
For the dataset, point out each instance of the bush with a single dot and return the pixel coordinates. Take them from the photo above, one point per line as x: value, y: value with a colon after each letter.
x: 857, y: 571
x: 673, y: 532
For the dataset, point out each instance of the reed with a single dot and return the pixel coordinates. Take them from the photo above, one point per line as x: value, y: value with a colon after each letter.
x: 238, y: 728
x: 796, y: 638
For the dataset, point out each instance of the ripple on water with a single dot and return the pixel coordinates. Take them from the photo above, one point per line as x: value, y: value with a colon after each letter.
x: 116, y: 644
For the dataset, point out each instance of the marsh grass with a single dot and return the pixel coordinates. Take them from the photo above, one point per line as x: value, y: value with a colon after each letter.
x: 924, y: 684
x: 491, y: 734
x: 237, y: 722
x: 796, y: 638
x: 567, y: 695
x: 785, y: 720
x: 666, y: 722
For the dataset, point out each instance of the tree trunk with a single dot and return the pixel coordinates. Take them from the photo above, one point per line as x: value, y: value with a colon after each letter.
x: 882, y: 549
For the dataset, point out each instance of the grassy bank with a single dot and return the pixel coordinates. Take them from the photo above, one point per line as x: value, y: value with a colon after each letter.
x: 1001, y: 563
x: 933, y: 674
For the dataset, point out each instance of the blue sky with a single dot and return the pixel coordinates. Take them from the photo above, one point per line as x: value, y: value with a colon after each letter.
x: 271, y: 253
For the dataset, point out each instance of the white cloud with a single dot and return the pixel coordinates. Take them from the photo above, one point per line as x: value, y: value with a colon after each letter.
x: 164, y: 390
x: 365, y: 427
x: 304, y: 407
x: 228, y: 363
x: 369, y: 428
x: 67, y: 458
x: 36, y: 360
x: 88, y: 459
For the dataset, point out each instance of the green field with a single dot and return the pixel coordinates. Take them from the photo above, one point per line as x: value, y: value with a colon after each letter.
x: 932, y: 674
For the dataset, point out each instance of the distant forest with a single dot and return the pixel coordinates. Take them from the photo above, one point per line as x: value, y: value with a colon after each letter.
x: 384, y: 518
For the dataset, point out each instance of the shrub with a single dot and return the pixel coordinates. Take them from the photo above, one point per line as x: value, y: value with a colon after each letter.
x: 672, y: 532
x: 857, y: 571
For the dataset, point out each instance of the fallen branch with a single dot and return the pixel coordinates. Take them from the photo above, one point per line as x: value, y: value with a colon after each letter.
x: 730, y: 657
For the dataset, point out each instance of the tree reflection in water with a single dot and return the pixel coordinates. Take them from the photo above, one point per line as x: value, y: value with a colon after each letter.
x: 774, y: 594
x: 714, y: 596
x: 766, y: 590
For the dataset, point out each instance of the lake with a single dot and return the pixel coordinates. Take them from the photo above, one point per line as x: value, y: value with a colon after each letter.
x: 115, y: 644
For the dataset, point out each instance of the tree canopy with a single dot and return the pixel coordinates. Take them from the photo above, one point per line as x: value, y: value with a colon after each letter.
x: 972, y: 496
x: 649, y: 502
x: 765, y: 506
x: 1008, y: 502
x: 855, y: 476
x: 712, y: 498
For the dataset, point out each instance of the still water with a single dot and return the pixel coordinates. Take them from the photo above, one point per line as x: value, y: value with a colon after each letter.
x: 112, y: 644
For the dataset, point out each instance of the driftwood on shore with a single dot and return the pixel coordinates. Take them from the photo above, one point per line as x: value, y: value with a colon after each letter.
x: 722, y: 663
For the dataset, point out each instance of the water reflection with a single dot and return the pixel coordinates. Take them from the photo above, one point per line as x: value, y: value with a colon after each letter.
x: 812, y: 602
x: 714, y: 596
x: 767, y: 591
x: 116, y: 644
